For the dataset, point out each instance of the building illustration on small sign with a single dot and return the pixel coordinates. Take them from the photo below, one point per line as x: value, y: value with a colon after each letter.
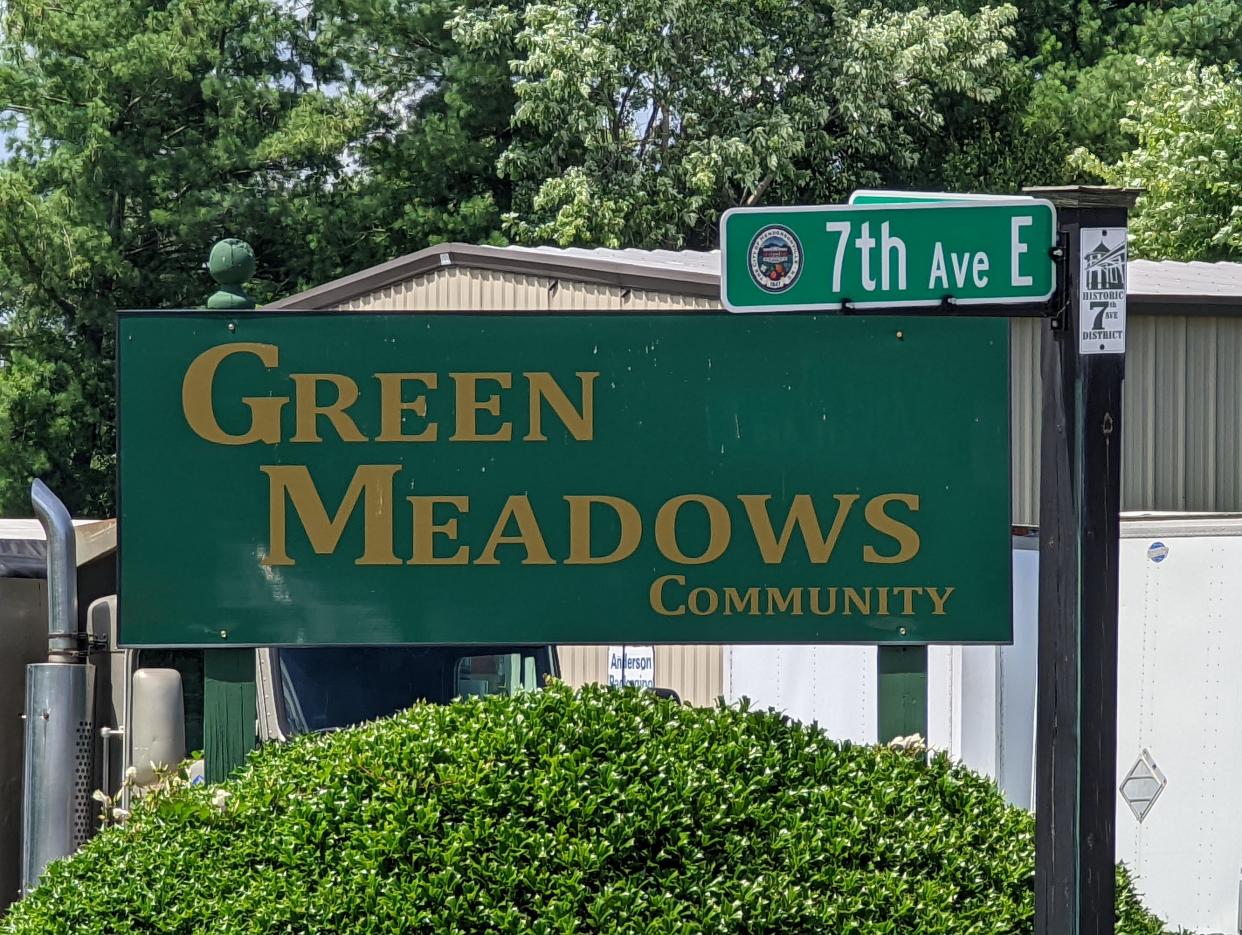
x: 1102, y: 282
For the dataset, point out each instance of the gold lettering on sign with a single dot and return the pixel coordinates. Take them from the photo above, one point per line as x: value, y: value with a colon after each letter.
x: 580, y: 423
x: 198, y: 386
x: 309, y: 410
x: 656, y: 596
x: 426, y: 529
x: 529, y: 536
x: 832, y: 602
x: 703, y: 600
x: 790, y: 602
x: 861, y: 603
x: 718, y: 524
x: 939, y: 599
x: 734, y: 602
x: 393, y: 405
x: 705, y: 608
x: 371, y: 483
x: 469, y: 405
x: 802, y: 514
x: 908, y: 599
x: 580, y: 530
x: 906, y: 538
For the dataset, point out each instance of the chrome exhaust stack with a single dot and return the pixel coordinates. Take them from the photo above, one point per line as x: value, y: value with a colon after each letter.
x: 62, y: 574
x: 59, y: 745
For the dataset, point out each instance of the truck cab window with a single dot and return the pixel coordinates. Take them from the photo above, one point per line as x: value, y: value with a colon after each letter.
x: 496, y: 674
x: 323, y: 688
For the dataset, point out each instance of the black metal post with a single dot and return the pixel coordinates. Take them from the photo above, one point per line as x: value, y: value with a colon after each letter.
x: 1080, y: 491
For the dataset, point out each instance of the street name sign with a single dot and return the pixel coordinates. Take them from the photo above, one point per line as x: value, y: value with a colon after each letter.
x: 989, y: 251
x: 383, y: 478
x: 880, y: 196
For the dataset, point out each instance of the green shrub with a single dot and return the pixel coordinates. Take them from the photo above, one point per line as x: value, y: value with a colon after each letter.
x: 597, y: 811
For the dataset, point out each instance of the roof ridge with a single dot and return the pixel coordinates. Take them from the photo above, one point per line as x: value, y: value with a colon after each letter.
x: 697, y: 273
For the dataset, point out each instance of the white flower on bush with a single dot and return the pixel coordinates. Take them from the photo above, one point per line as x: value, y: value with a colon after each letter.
x: 914, y: 743
x: 220, y: 799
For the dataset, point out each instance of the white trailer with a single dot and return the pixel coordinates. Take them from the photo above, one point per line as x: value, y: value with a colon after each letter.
x: 1179, y: 707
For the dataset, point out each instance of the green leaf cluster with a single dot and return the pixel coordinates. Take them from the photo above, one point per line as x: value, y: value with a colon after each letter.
x: 1188, y: 162
x: 555, y: 811
x: 1089, y: 76
x: 331, y: 136
x: 645, y: 119
x: 139, y: 133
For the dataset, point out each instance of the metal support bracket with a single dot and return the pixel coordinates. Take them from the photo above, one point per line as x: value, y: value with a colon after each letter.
x: 1058, y: 309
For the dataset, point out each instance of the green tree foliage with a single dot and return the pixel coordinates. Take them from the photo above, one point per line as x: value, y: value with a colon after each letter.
x: 144, y: 131
x: 990, y: 146
x: 647, y: 118
x: 993, y: 145
x: 423, y: 170
x: 1090, y: 74
x: 1188, y: 160
x: 603, y: 811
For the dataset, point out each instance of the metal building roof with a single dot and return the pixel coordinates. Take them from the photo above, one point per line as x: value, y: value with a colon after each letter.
x: 1205, y: 288
x: 1171, y: 281
x: 23, y: 545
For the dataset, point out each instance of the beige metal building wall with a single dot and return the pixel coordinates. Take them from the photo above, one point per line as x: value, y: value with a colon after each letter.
x: 1024, y: 392
x: 1181, y: 415
x: 457, y: 289
x: 695, y: 672
x: 1182, y: 429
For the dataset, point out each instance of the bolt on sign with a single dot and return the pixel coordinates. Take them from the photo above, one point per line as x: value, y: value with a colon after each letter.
x: 349, y: 478
x: 992, y: 251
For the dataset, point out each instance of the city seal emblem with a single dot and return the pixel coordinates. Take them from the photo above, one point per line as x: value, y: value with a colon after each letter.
x: 775, y: 259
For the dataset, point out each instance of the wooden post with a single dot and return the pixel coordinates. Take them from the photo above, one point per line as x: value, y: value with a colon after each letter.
x: 901, y: 691
x: 1080, y: 484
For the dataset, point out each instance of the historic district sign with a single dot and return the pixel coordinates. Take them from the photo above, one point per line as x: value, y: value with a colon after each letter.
x: 984, y: 251
x: 351, y: 478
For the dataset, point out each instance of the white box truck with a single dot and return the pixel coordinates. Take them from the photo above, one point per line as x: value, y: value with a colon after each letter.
x: 1179, y: 707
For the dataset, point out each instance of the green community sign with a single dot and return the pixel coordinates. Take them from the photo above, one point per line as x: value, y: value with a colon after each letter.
x: 346, y: 478
x: 880, y: 254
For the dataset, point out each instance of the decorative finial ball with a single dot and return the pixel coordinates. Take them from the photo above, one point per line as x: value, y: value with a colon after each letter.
x: 231, y: 262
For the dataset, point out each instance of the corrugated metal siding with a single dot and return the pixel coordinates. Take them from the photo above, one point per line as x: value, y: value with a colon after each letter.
x: 1182, y: 415
x: 456, y: 289
x: 1182, y: 438
x: 583, y: 664
x: 1024, y: 392
x: 694, y: 672
x: 1229, y: 414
